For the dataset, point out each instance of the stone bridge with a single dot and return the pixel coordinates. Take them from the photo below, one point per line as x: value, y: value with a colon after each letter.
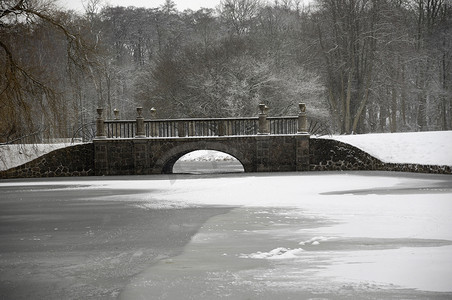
x: 260, y: 144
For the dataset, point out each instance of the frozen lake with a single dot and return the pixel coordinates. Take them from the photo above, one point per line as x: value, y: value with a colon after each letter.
x: 333, y: 235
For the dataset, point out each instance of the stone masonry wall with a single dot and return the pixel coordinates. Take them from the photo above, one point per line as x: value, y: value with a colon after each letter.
x: 262, y: 153
x: 75, y: 160
x: 331, y: 155
x: 257, y: 154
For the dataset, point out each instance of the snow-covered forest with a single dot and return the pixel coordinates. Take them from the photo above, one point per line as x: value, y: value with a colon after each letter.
x: 360, y: 65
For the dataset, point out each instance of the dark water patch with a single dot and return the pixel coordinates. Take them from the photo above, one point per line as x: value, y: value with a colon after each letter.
x: 208, y: 167
x: 57, y: 244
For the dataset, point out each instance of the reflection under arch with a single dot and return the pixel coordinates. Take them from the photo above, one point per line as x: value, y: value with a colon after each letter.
x: 165, y: 164
x: 207, y: 162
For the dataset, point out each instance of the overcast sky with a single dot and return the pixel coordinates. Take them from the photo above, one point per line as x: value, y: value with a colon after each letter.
x: 180, y: 4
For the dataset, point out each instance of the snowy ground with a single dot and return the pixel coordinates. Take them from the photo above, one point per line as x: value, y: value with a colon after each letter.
x: 15, y: 155
x: 428, y: 148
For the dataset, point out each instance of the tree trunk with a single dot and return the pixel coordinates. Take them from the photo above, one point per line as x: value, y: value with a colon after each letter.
x: 372, y: 119
x: 393, y: 109
x: 450, y: 112
x: 359, y: 112
x: 347, y: 117
x: 363, y: 103
x: 422, y: 112
x: 334, y: 109
x: 444, y: 87
x: 108, y: 82
x: 383, y: 115
x: 403, y: 97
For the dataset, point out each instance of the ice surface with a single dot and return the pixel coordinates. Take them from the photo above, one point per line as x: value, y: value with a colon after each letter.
x: 422, y: 268
x: 403, y: 218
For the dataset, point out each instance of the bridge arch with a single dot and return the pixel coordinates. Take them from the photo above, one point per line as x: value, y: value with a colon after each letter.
x: 165, y: 164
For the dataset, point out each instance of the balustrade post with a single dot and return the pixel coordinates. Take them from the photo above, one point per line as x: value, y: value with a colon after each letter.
x: 221, y: 128
x: 140, y: 123
x: 191, y: 128
x: 267, y: 122
x: 153, y: 113
x: 180, y: 129
x: 153, y: 125
x: 263, y: 122
x: 302, y: 120
x: 117, y: 126
x: 100, y: 128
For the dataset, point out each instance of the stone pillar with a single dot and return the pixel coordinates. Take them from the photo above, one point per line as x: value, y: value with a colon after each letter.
x: 101, y: 163
x: 141, y: 156
x: 100, y: 128
x: 262, y: 163
x: 140, y: 123
x: 267, y: 127
x: 302, y: 141
x: 302, y: 120
x: 263, y: 123
x: 153, y: 125
x: 117, y: 126
x: 302, y: 152
x: 153, y: 113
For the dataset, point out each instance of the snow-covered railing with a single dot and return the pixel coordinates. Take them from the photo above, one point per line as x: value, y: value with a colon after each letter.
x: 200, y: 127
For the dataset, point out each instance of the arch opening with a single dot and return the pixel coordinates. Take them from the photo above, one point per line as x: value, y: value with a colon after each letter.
x: 207, y: 162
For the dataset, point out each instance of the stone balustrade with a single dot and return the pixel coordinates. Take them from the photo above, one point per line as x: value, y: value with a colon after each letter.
x: 200, y: 127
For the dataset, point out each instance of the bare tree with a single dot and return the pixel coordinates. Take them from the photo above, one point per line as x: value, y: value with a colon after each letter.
x: 348, y: 35
x: 433, y: 19
x: 23, y: 89
x: 239, y: 14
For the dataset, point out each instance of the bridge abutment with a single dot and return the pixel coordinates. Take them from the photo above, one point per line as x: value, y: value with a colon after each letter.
x: 282, y: 153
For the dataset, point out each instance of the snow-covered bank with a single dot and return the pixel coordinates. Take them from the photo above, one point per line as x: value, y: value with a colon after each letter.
x: 15, y: 155
x: 425, y: 148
